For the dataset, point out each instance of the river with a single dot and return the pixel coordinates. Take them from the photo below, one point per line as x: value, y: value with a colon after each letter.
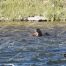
x: 19, y: 48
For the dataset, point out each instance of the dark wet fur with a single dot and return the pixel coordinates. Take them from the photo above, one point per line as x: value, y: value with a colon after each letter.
x: 47, y: 34
x: 39, y: 32
x: 65, y: 55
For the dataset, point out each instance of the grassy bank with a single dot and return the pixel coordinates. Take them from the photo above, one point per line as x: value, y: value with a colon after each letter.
x: 24, y: 8
x: 21, y: 8
x: 34, y: 24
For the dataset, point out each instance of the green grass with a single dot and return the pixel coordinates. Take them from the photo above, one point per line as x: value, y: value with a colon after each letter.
x: 24, y: 8
x: 21, y: 8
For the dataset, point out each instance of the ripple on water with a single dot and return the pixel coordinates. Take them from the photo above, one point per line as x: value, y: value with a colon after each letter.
x: 16, y: 46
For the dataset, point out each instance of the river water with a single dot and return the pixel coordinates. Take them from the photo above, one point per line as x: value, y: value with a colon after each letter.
x: 19, y: 48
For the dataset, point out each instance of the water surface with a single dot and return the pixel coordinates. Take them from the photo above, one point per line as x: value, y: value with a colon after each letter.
x: 18, y: 47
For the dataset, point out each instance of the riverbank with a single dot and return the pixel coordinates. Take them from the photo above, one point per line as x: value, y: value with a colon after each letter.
x: 34, y: 24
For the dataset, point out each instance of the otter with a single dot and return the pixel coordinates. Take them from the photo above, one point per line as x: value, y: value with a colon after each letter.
x: 37, y: 32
